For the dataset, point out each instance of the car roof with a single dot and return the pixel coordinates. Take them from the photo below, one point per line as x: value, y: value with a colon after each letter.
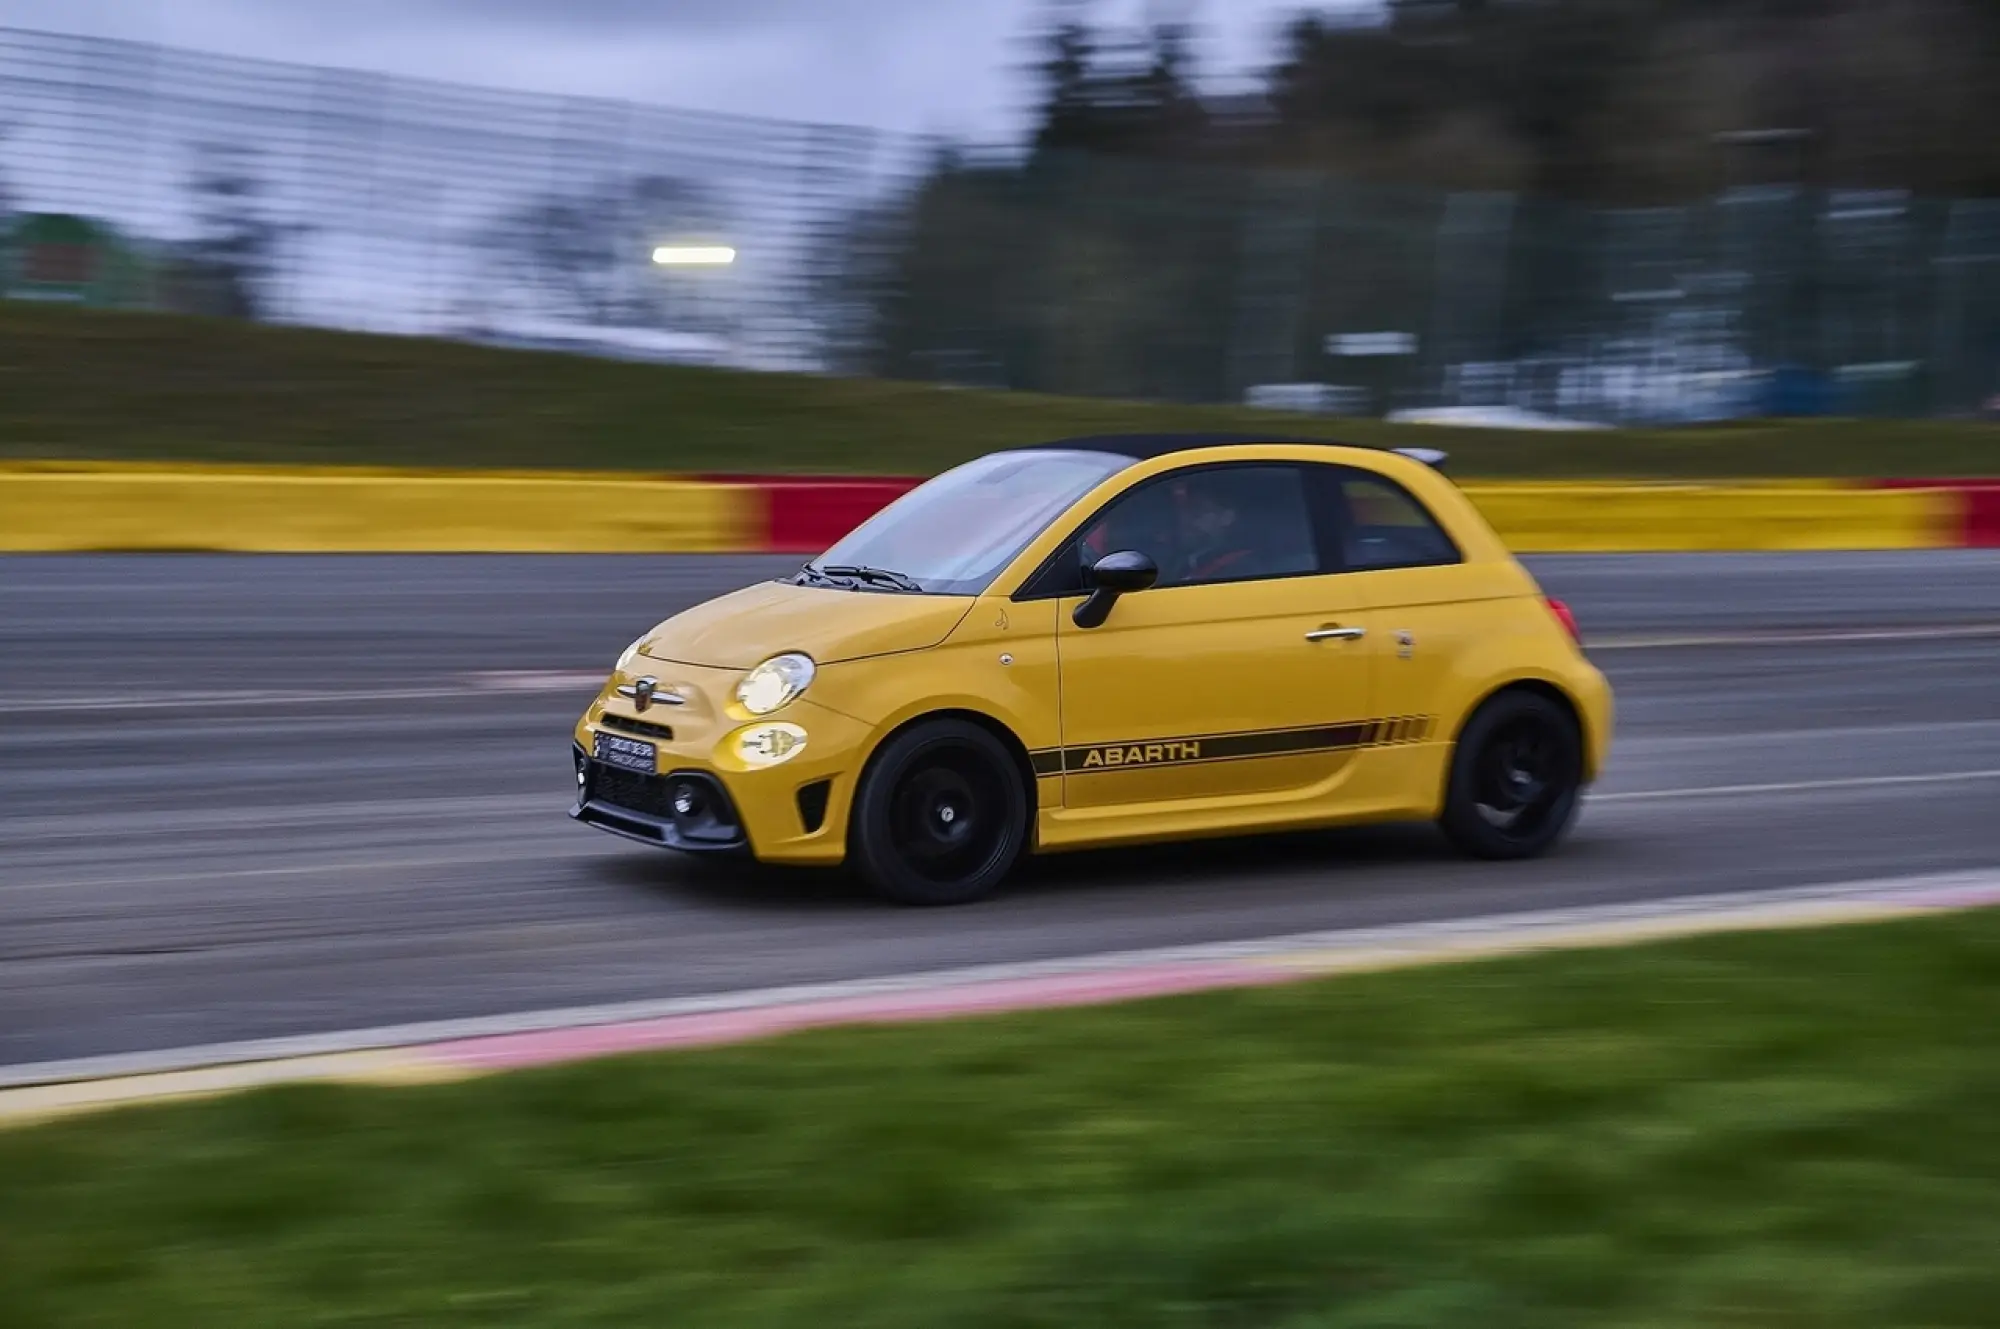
x: 1145, y: 447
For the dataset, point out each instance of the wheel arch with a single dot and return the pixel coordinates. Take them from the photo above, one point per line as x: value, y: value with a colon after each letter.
x: 1024, y: 766
x: 1541, y: 687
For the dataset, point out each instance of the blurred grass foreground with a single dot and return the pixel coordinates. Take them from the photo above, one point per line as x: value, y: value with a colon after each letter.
x: 1768, y: 1129
x: 79, y: 384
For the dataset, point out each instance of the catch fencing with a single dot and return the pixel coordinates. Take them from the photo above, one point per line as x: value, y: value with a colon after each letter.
x: 136, y: 175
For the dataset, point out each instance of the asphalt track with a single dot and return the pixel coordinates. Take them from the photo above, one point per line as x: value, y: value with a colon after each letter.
x: 258, y: 796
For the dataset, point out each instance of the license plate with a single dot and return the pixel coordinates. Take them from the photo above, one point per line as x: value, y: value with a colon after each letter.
x: 627, y: 754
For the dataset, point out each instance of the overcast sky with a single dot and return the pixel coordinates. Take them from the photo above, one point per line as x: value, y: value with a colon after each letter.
x: 933, y: 66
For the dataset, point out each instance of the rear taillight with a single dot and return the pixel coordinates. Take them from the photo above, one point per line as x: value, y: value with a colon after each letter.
x: 1567, y: 619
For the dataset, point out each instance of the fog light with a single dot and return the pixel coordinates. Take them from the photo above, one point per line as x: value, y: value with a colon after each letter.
x: 769, y: 744
x: 687, y: 800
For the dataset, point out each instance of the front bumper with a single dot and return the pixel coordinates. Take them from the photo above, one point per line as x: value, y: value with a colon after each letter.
x: 686, y: 810
x: 793, y: 811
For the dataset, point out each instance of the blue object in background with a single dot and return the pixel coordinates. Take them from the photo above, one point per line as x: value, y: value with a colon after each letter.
x: 1794, y: 390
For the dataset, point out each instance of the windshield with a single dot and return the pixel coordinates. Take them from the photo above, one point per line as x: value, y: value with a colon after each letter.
x: 954, y: 534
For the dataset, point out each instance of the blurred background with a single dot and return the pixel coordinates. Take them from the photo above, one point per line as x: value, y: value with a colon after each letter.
x: 1626, y: 211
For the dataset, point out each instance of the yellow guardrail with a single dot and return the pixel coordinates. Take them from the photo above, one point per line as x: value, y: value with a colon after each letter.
x: 1650, y: 482
x: 324, y: 512
x: 87, y: 466
x: 1635, y: 519
x: 55, y: 506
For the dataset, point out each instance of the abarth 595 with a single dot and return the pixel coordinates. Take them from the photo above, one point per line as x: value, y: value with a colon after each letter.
x: 1110, y: 641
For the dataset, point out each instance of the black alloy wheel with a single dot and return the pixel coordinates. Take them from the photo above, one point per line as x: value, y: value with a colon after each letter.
x: 941, y: 815
x: 1516, y: 777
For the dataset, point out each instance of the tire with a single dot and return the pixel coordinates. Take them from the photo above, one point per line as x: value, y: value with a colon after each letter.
x: 1516, y: 778
x: 941, y: 815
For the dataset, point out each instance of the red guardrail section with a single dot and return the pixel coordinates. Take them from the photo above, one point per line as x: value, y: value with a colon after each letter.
x: 1979, y: 512
x: 1982, y: 517
x: 805, y: 514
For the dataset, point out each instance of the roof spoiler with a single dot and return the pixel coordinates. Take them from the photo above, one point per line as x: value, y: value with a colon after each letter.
x: 1430, y: 457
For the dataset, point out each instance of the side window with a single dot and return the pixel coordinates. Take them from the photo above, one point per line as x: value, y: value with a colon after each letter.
x: 1213, y: 524
x: 1387, y: 528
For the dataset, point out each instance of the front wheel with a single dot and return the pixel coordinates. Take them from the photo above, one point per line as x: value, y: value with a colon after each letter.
x: 1516, y: 778
x: 941, y: 815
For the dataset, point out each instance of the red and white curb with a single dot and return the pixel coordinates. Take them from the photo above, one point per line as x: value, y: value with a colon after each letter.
x: 457, y: 1049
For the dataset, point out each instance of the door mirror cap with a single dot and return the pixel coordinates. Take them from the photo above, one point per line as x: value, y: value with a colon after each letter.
x: 1110, y: 577
x: 1126, y: 571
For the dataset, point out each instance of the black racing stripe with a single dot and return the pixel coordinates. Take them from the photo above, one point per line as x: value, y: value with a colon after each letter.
x: 1285, y: 742
x: 1205, y: 747
x: 1095, y: 758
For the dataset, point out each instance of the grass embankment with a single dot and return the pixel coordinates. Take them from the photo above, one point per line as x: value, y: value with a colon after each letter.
x: 1778, y: 1129
x: 77, y: 384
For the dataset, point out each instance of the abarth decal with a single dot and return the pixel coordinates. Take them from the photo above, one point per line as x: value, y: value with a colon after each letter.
x: 1098, y: 758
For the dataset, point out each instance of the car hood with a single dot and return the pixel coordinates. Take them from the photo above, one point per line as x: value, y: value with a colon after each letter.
x: 742, y: 629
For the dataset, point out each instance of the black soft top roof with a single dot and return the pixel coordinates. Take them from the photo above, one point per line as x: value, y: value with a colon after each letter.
x: 1144, y: 447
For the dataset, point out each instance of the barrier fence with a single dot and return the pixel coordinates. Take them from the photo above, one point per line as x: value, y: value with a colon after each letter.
x: 136, y: 175
x: 51, y: 507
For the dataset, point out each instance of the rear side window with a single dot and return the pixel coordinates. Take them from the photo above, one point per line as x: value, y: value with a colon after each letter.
x: 1382, y: 525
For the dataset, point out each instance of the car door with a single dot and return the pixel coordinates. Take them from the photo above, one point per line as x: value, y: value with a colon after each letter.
x: 1246, y: 672
x: 1429, y: 606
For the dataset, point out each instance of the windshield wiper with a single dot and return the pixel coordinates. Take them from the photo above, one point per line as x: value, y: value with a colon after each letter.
x: 876, y: 576
x: 812, y: 576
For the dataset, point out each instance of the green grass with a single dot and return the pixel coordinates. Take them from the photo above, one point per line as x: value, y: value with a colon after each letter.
x: 77, y: 384
x: 1795, y: 1129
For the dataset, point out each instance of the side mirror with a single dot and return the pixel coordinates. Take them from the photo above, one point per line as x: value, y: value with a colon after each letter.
x: 1110, y: 577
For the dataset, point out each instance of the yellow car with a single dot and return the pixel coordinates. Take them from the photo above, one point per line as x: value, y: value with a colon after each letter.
x: 1108, y: 641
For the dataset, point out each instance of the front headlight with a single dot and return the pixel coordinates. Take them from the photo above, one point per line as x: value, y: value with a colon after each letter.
x: 775, y: 683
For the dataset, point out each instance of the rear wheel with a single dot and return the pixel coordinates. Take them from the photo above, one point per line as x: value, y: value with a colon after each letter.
x: 941, y: 815
x: 1516, y: 778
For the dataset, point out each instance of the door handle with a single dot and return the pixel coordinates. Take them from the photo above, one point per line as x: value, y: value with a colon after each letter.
x: 1337, y: 634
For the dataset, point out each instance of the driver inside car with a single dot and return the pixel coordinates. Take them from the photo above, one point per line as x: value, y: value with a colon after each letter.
x: 1191, y: 531
x: 1210, y: 547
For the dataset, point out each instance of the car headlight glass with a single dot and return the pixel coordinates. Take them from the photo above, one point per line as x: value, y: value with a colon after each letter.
x: 775, y: 683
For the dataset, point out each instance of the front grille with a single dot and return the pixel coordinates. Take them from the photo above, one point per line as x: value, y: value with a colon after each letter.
x: 628, y: 789
x: 643, y: 728
x: 710, y: 823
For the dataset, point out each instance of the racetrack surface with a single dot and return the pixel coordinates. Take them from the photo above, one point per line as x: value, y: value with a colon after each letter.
x: 260, y: 796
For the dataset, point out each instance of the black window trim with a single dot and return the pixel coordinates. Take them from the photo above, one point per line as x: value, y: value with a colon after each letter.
x: 1326, y: 508
x: 1033, y: 588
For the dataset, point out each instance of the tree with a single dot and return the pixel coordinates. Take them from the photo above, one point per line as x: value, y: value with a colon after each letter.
x: 587, y: 255
x: 1130, y: 93
x: 230, y: 267
x: 1617, y: 101
x: 1542, y: 154
x: 1068, y: 95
